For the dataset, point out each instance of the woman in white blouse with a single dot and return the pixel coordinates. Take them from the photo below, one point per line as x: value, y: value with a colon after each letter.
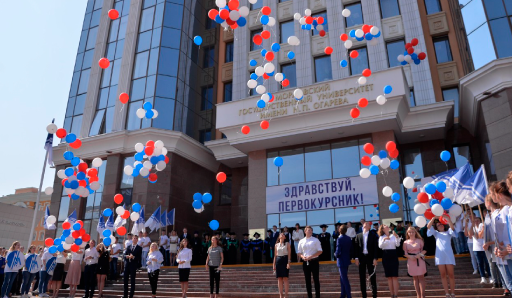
x: 388, y: 243
x: 154, y: 261
x: 297, y: 235
x: 184, y: 258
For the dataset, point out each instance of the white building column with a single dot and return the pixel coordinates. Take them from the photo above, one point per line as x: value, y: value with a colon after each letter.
x: 377, y: 54
x: 241, y: 59
x: 305, y: 69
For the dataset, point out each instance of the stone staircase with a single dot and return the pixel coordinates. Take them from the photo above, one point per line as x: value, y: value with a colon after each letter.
x: 259, y: 281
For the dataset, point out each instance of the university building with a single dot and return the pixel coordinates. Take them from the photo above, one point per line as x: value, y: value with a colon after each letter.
x: 202, y: 99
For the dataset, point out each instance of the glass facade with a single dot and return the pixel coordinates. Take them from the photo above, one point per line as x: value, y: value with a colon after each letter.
x: 452, y: 94
x: 228, y: 92
x: 360, y: 63
x: 356, y: 15
x: 433, y: 6
x: 389, y: 8
x: 323, y: 70
x: 394, y: 49
x: 442, y: 48
x: 290, y: 72
x: 287, y: 29
x: 230, y: 48
x: 461, y: 155
x: 325, y: 24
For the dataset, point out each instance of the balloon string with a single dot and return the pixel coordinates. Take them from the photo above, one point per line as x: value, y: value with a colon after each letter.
x: 122, y: 108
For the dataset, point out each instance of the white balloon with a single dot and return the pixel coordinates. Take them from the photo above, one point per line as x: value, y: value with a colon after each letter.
x: 296, y: 16
x: 271, y: 21
x: 364, y: 173
x: 48, y: 190
x: 157, y: 152
x: 51, y: 220
x: 155, y: 113
x: 144, y: 172
x: 244, y: 11
x: 298, y: 93
x: 135, y: 164
x: 159, y: 144
x: 265, y: 97
x: 346, y: 13
x: 269, y: 67
x: 307, y: 12
x: 66, y: 245
x: 253, y: 1
x: 72, y: 178
x: 61, y: 174
x: 234, y: 15
x: 437, y: 210
x: 384, y: 163
x: 361, y: 80
x: 69, y: 191
x: 293, y: 40
x: 348, y: 44
x: 69, y: 240
x: 147, y: 164
x: 376, y: 160
x: 134, y: 216
x: 252, y: 84
x: 381, y: 99
x: 302, y: 21
x: 97, y: 162
x: 112, y: 238
x: 95, y: 185
x: 448, y: 193
x: 120, y: 210
x: 220, y: 3
x: 279, y: 77
x: 420, y: 209
x: 359, y: 33
x: 51, y: 128
x: 128, y: 170
x: 160, y: 166
x: 141, y: 113
x: 455, y: 210
x: 319, y: 27
x: 387, y: 191
x: 224, y: 25
x: 259, y: 71
x: 400, y: 58
x: 408, y: 182
x: 453, y: 219
x: 83, y: 244
x: 417, y: 51
x: 164, y: 151
x: 374, y: 31
x: 199, y: 210
x: 408, y: 58
x: 420, y: 221
x: 261, y: 89
x: 139, y: 147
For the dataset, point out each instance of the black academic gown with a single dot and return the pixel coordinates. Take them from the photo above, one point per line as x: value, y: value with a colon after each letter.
x: 266, y: 251
x: 245, y: 251
x: 257, y: 250
x: 232, y: 251
x: 197, y: 251
x: 325, y: 241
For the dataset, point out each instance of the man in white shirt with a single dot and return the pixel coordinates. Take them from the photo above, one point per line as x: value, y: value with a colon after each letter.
x: 164, y: 245
x: 366, y: 251
x: 115, y: 249
x: 309, y: 250
x: 351, y: 232
x: 91, y: 260
x: 144, y: 242
x: 128, y: 242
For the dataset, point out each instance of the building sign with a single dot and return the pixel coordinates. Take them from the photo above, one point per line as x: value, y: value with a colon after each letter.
x: 11, y: 223
x: 326, y: 194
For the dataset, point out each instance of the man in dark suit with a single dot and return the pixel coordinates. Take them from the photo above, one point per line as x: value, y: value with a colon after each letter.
x: 187, y: 236
x: 344, y: 252
x: 273, y: 240
x: 366, y: 254
x: 132, y: 257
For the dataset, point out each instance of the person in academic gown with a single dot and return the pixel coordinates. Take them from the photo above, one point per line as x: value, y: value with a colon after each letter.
x: 257, y: 248
x: 266, y: 251
x: 232, y: 245
x: 325, y: 241
x: 197, y: 249
x: 245, y: 249
x: 335, y: 235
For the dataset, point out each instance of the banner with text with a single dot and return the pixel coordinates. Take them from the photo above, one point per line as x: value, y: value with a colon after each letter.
x: 336, y: 193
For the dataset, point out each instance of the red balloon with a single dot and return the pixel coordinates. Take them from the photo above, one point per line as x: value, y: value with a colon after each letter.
x: 82, y: 167
x: 126, y: 214
x: 233, y: 4
x: 265, y: 76
x: 149, y: 151
x: 166, y: 159
x: 121, y: 231
x: 422, y: 56
x: 393, y: 154
x: 224, y: 14
x: 410, y: 50
x: 366, y: 160
x: 104, y: 63
x: 246, y: 129
x: 92, y: 172
x: 82, y: 232
x: 61, y: 133
x: 75, y: 234
x: 438, y: 196
x: 366, y: 28
x: 213, y: 13
x: 428, y: 214
x: 66, y: 225
x: 257, y: 39
x: 354, y: 54
x: 391, y: 146
x: 407, y: 46
x: 266, y: 10
x: 354, y: 113
x: 64, y: 181
x: 322, y: 33
x: 118, y: 198
x: 86, y: 237
x: 269, y: 56
x: 272, y: 99
x: 367, y: 72
x: 48, y: 242
x: 368, y: 148
x: 82, y: 183
x: 265, y: 34
x: 320, y: 20
x: 343, y: 37
x: 75, y: 248
x: 328, y: 50
x: 76, y: 144
x: 414, y: 42
x: 230, y: 22
x: 443, y: 219
x: 234, y: 26
x: 113, y: 14
x: 363, y: 102
x: 286, y: 82
x: 309, y: 20
x: 81, y: 223
x: 264, y: 124
x: 153, y: 177
x: 150, y: 143
x: 221, y: 177
x: 423, y: 197
x: 93, y: 179
x: 123, y: 98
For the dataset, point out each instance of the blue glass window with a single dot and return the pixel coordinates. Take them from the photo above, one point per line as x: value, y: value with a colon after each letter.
x: 103, y: 98
x: 443, y: 51
x: 79, y: 104
x: 74, y: 83
x: 253, y: 45
x: 95, y: 19
x: 413, y: 163
x: 83, y: 41
x: 144, y: 42
x: 173, y: 15
x: 91, y: 40
x: 150, y: 86
x: 345, y: 159
x: 146, y: 21
x: 433, y: 6
x: 481, y: 45
x: 371, y: 213
x: 228, y: 92
x: 114, y: 29
x: 461, y: 155
x: 323, y: 69
x: 138, y: 88
x: 272, y: 170
x: 205, y: 136
x: 206, y: 98
x: 71, y: 106
x: 76, y: 125
x: 389, y: 8
x: 157, y: 34
x: 122, y: 28
x: 293, y: 172
x: 452, y: 94
x: 168, y: 63
x: 84, y: 81
x: 287, y: 29
x: 290, y: 219
x: 494, y: 9
x: 473, y: 14
x: 133, y: 122
x: 141, y: 65
x: 111, y: 51
x: 412, y: 101
x: 171, y: 38
x: 320, y: 217
x: 165, y: 107
x: 360, y: 63
x: 500, y: 29
x: 290, y: 73
x: 395, y: 48
x: 318, y: 163
x: 209, y: 57
x: 97, y: 123
x: 229, y: 51
x: 87, y: 63
x: 354, y: 214
x: 166, y: 87
x: 325, y: 24
x: 356, y: 15
x: 257, y: 5
x: 78, y: 62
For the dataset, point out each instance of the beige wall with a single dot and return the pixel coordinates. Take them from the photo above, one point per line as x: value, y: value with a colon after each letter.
x: 15, y: 224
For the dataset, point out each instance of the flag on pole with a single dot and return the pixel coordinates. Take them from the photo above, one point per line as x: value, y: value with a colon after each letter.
x: 163, y: 219
x: 119, y: 222
x: 474, y: 191
x: 110, y: 223
x: 48, y: 146
x: 138, y: 226
x: 170, y: 218
x: 72, y: 217
x: 46, y: 225
x: 101, y: 226
x: 154, y: 221
x: 142, y: 221
x: 459, y: 179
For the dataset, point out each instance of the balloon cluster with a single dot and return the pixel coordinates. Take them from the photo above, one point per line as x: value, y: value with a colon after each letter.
x: 230, y: 15
x: 80, y: 180
x: 307, y: 22
x: 73, y: 238
x: 411, y: 55
x: 147, y: 111
x: 152, y: 155
x: 200, y: 200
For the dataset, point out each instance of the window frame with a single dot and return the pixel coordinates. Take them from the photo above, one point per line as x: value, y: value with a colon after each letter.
x: 446, y: 39
x: 381, y: 11
x: 315, y: 62
x: 367, y: 60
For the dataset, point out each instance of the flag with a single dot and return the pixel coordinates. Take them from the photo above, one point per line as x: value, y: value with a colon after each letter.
x: 142, y: 221
x: 138, y: 226
x: 170, y: 218
x: 72, y: 217
x: 48, y: 146
x: 110, y: 223
x: 459, y: 179
x: 119, y: 222
x: 163, y: 219
x: 154, y: 221
x: 474, y: 191
x: 101, y: 226
x: 46, y: 215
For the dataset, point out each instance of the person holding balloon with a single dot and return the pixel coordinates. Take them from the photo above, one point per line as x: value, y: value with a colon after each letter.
x: 58, y: 273
x: 91, y: 261
x: 445, y: 260
x: 74, y: 270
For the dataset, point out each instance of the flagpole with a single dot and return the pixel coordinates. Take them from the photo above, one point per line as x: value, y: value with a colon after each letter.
x: 36, y: 206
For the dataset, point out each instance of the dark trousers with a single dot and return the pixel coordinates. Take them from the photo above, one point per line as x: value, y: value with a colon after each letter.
x: 483, y: 265
x: 346, y: 292
x: 113, y: 269
x: 366, y: 263
x: 129, y: 273
x: 214, y: 277
x: 167, y: 256
x: 153, y: 280
x: 312, y: 268
x: 18, y: 281
x: 27, y: 281
x: 89, y: 279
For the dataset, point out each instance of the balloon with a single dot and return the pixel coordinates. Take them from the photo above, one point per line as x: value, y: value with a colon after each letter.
x: 257, y: 39
x: 328, y: 50
x: 455, y: 210
x: 393, y: 154
x: 367, y: 72
x: 448, y: 193
x: 423, y: 198
x: 428, y: 213
x: 107, y: 241
x: 395, y: 197
x: 291, y: 55
x: 66, y: 225
x: 113, y: 14
x: 61, y: 133
x: 433, y: 202
x: 124, y: 98
x: 121, y: 231
x: 388, y: 89
x: 368, y: 148
x: 387, y: 191
x: 359, y: 33
x: 420, y: 209
x: 120, y: 210
x: 125, y: 215
x: 264, y: 124
x: 76, y: 226
x: 76, y: 144
x: 264, y: 19
x: 275, y: 47
x: 437, y: 210
x: 221, y: 177
x: 207, y: 198
x: 278, y: 161
x: 390, y: 146
x: 363, y: 102
x: 393, y: 208
x: 345, y: 12
x: 107, y: 212
x: 197, y: 204
x: 48, y: 242
x: 430, y: 188
x: 445, y: 156
x: 420, y: 221
x: 134, y: 216
x: 265, y: 34
x: 297, y: 16
x: 51, y: 220
x: 214, y: 224
x: 366, y: 160
x: 136, y: 207
x: 344, y: 63
x: 141, y: 113
x: 104, y: 63
x: 242, y: 21
x: 197, y: 196
x: 446, y: 203
x: 394, y: 164
x: 269, y: 56
x: 383, y: 154
x: 220, y: 3
x: 49, y: 190
x: 443, y: 219
x: 441, y: 186
x: 374, y: 170
x: 118, y: 198
x: 364, y: 173
x: 354, y: 54
x: 385, y: 163
x: 213, y: 13
x: 422, y: 56
x: 408, y: 182
x: 354, y: 113
x: 414, y: 42
x: 269, y: 67
x: 97, y: 162
x: 361, y: 81
x: 374, y: 31
x: 348, y: 44
x: 376, y: 160
x: 381, y: 100
x: 70, y: 138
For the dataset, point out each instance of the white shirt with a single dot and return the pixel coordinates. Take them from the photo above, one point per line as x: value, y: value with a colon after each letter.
x: 478, y: 244
x: 470, y: 239
x: 499, y: 223
x: 164, y: 241
x: 297, y: 236
x: 91, y: 252
x: 127, y: 243
x: 33, y: 263
x: 153, y: 266
x: 46, y: 256
x: 76, y: 256
x: 61, y: 259
x: 309, y: 246
x: 365, y: 242
x: 458, y: 224
x: 144, y: 241
x: 184, y: 255
x: 392, y: 243
x: 115, y: 248
x: 17, y: 261
x: 351, y: 232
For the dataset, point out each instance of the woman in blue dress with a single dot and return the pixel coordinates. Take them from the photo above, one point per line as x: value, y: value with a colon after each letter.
x: 445, y: 260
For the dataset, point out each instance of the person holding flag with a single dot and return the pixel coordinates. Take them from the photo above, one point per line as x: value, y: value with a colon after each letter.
x: 32, y: 264
x: 15, y: 261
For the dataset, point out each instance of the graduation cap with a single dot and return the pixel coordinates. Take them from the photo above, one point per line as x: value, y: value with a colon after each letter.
x: 323, y: 226
x: 399, y: 222
x: 245, y: 234
x: 339, y: 224
x: 258, y: 234
x: 269, y: 231
x: 408, y: 222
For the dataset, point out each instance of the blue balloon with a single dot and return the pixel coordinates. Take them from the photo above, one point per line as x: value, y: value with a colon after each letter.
x: 76, y: 227
x: 275, y: 47
x: 404, y: 62
x: 53, y: 249
x: 161, y: 157
x: 139, y: 156
x: 218, y: 19
x: 253, y: 63
x: 147, y: 106
x: 308, y: 27
x: 393, y: 208
x: 377, y: 208
x: 90, y: 190
x: 80, y: 176
x: 414, y: 56
x: 278, y: 161
x: 303, y: 27
x: 254, y: 76
x: 263, y: 52
x: 107, y: 241
x: 388, y: 89
x: 343, y: 63
x: 60, y: 248
x: 441, y: 186
x: 383, y: 154
x: 135, y: 173
x: 198, y: 40
x: 75, y: 196
x: 57, y: 241
x: 368, y: 36
x: 107, y: 212
x: 207, y: 198
x: 445, y: 156
x: 360, y: 38
x: 271, y: 74
x: 136, y: 207
x: 198, y: 196
x: 374, y: 169
x: 107, y: 233
x: 68, y: 155
x: 371, y: 215
x: 152, y: 182
x: 149, y: 114
x: 261, y: 104
x: 197, y: 204
x: 446, y: 203
x: 291, y: 55
x: 66, y: 233
x: 78, y: 241
x: 139, y: 166
x: 315, y: 22
x: 154, y: 160
x: 69, y: 172
x: 264, y: 19
x: 377, y: 35
x: 214, y: 224
x: 433, y: 202
x: 352, y: 33
x: 430, y: 188
x: 417, y: 61
x: 74, y: 184
x: 241, y: 21
x: 395, y: 197
x: 70, y: 138
x: 394, y: 164
x: 299, y: 99
x: 75, y: 161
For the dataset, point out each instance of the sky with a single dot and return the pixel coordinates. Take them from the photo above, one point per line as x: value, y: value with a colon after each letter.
x: 38, y: 45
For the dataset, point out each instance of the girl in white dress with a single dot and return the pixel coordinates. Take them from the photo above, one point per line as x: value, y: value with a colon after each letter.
x: 173, y: 246
x: 445, y: 260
